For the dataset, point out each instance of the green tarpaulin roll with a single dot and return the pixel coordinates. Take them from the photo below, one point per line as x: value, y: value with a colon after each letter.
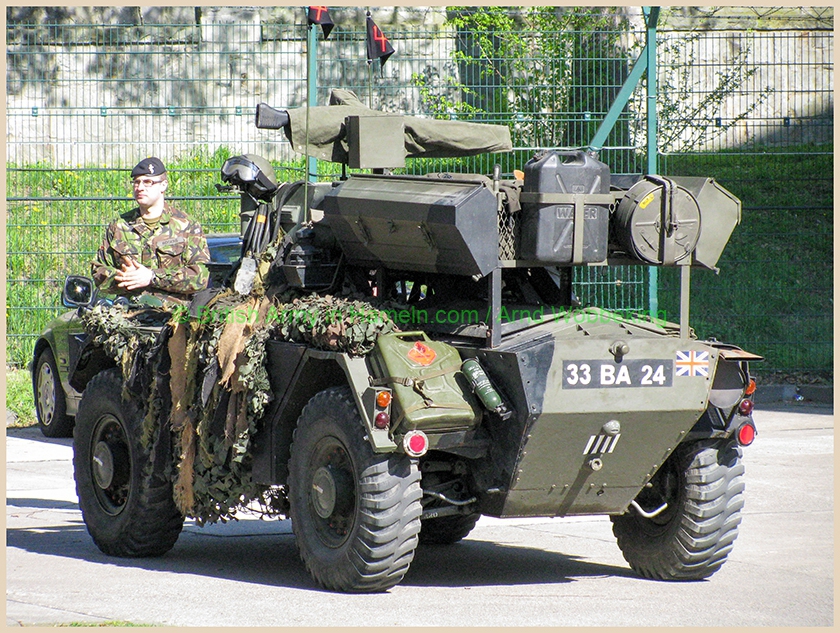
x: 427, y: 138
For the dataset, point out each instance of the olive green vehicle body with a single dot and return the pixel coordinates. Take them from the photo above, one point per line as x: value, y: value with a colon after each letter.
x: 538, y: 462
x: 499, y: 394
x: 551, y: 456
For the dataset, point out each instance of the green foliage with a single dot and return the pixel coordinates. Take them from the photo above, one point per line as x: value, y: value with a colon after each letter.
x: 533, y: 68
x: 689, y: 119
x: 774, y: 294
x: 19, y: 396
x: 54, y: 223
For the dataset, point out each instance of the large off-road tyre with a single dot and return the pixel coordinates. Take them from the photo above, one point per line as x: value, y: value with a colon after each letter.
x: 703, y: 484
x: 50, y: 401
x: 128, y: 511
x: 355, y: 513
x: 447, y: 530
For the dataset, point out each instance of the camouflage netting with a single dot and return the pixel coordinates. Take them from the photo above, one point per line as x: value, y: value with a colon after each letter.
x: 206, y: 377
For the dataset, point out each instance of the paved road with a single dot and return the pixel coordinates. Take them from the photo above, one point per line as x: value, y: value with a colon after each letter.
x: 549, y: 572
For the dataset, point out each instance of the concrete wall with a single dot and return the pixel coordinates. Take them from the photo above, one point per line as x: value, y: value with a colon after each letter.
x: 166, y: 80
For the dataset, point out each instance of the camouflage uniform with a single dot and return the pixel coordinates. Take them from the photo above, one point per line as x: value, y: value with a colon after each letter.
x: 176, y: 250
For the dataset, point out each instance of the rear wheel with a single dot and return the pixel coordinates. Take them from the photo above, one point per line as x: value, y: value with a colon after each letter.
x: 50, y: 402
x: 702, y: 484
x: 127, y: 510
x: 447, y: 530
x: 355, y: 513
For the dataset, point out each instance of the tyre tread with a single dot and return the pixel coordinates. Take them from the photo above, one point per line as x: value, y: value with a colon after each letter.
x: 382, y: 547
x: 700, y: 538
x: 153, y: 523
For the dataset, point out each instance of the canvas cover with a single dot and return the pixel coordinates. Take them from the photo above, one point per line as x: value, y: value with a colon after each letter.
x: 427, y: 138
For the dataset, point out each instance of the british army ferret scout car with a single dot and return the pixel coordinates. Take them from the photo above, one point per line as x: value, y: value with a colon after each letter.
x: 397, y: 356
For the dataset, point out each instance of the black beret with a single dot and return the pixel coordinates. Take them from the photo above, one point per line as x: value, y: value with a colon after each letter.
x: 148, y: 167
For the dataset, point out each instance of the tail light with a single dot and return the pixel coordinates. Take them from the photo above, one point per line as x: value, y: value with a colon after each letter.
x: 415, y: 443
x: 746, y: 406
x: 382, y: 409
x: 746, y: 434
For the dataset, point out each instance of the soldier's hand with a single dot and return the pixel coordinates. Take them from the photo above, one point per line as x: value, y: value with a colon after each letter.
x: 134, y: 275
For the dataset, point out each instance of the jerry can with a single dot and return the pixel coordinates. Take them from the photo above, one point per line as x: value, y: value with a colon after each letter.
x: 430, y: 392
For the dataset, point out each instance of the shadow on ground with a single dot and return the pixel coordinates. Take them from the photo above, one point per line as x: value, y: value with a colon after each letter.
x: 265, y: 553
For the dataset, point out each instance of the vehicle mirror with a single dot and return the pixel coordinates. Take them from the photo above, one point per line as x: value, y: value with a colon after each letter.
x: 78, y: 291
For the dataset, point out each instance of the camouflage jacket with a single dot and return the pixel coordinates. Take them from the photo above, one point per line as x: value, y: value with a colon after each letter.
x: 176, y: 250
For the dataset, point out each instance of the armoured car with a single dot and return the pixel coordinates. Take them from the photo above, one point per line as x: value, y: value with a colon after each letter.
x: 398, y: 355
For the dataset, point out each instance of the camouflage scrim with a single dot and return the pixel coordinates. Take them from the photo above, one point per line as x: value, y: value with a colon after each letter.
x: 176, y: 250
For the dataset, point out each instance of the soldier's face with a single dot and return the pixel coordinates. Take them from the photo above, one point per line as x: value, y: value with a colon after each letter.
x: 148, y: 191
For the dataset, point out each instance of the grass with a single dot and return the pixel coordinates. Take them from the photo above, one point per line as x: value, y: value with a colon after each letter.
x: 773, y: 296
x: 19, y: 396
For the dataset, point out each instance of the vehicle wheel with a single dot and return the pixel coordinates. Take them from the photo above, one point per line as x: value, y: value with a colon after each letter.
x: 128, y: 511
x: 50, y: 402
x: 447, y: 530
x: 690, y: 540
x: 355, y: 513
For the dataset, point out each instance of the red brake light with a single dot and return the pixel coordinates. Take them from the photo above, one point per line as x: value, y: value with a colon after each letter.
x: 746, y: 434
x: 382, y: 420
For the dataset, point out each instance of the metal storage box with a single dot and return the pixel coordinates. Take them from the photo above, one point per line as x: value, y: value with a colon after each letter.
x: 415, y: 223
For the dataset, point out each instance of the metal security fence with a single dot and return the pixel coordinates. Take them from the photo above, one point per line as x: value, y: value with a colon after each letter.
x: 773, y: 148
x: 85, y: 101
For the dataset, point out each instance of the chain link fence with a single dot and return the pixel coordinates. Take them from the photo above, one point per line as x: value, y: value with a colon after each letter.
x: 86, y: 101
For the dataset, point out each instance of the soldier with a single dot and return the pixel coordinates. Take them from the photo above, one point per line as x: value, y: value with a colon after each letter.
x: 154, y: 248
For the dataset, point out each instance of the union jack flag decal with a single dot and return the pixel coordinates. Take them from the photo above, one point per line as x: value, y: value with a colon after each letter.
x: 692, y: 364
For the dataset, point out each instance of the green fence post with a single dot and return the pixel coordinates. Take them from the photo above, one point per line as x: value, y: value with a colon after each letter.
x: 651, y: 18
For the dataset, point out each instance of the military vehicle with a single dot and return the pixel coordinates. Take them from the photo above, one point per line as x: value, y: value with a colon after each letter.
x: 412, y: 356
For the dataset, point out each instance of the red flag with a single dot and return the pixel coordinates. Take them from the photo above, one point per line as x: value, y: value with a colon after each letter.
x: 320, y: 15
x: 378, y: 46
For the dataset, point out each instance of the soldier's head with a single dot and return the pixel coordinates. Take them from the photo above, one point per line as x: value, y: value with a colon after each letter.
x: 149, y: 181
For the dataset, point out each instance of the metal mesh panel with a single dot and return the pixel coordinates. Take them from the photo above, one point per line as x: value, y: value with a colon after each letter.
x: 774, y: 292
x: 85, y: 101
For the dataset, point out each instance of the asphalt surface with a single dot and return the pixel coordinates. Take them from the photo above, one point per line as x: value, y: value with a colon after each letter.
x: 547, y: 572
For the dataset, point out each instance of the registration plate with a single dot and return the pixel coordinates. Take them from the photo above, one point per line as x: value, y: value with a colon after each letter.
x: 597, y: 374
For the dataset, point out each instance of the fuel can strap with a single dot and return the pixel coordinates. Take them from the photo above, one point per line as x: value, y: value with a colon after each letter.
x: 410, y: 382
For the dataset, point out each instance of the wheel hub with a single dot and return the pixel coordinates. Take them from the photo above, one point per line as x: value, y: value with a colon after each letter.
x: 323, y: 492
x: 46, y: 393
x: 332, y: 491
x: 103, y: 465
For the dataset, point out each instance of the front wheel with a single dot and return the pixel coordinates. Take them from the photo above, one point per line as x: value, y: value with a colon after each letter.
x: 128, y: 511
x: 355, y: 513
x: 702, y: 485
x: 50, y: 401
